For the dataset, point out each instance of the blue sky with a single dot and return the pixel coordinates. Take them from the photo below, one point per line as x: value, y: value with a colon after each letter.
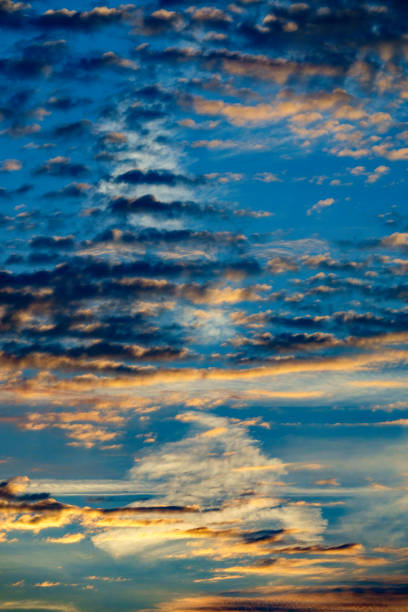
x: 203, y: 306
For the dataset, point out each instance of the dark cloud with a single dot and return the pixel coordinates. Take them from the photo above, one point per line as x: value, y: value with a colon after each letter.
x: 148, y: 204
x: 161, y: 21
x: 267, y: 343
x: 66, y: 102
x: 102, y: 356
x: 12, y: 13
x: 154, y: 93
x: 35, y: 61
x: 77, y: 129
x: 156, y: 177
x: 156, y: 237
x: 109, y: 59
x: 136, y: 116
x: 73, y: 190
x: 60, y: 166
x: 52, y: 242
x: 27, y: 67
x: 347, y: 25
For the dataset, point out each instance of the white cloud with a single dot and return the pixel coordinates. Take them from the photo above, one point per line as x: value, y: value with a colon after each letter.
x: 222, y: 470
x: 321, y: 204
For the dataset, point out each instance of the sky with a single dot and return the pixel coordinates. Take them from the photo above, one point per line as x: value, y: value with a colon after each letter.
x: 203, y: 306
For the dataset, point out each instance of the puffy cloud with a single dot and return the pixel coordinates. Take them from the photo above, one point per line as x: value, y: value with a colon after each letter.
x: 62, y: 166
x: 160, y: 21
x: 400, y: 154
x: 321, y: 204
x: 209, y: 14
x: 378, y: 173
x: 8, y: 6
x: 397, y: 239
x: 11, y: 165
x: 13, y: 487
x: 96, y: 17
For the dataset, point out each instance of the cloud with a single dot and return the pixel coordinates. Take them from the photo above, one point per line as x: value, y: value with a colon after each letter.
x: 69, y: 538
x: 321, y: 204
x: 284, y: 567
x: 377, y: 173
x: 293, y: 599
x: 37, y: 511
x: 35, y: 604
x: 11, y: 165
x: 400, y: 154
x: 73, y: 190
x: 276, y: 70
x: 331, y: 482
x: 149, y: 204
x: 190, y: 454
x: 8, y: 6
x: 162, y: 286
x: 62, y: 166
x: 209, y: 14
x: 108, y: 578
x: 162, y: 20
x: 83, y: 20
x: 13, y: 487
x: 396, y: 240
x: 155, y: 177
x: 205, y: 505
x: 219, y: 468
x: 110, y: 60
x: 52, y: 242
x: 89, y: 388
x: 241, y: 115
x: 74, y: 130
